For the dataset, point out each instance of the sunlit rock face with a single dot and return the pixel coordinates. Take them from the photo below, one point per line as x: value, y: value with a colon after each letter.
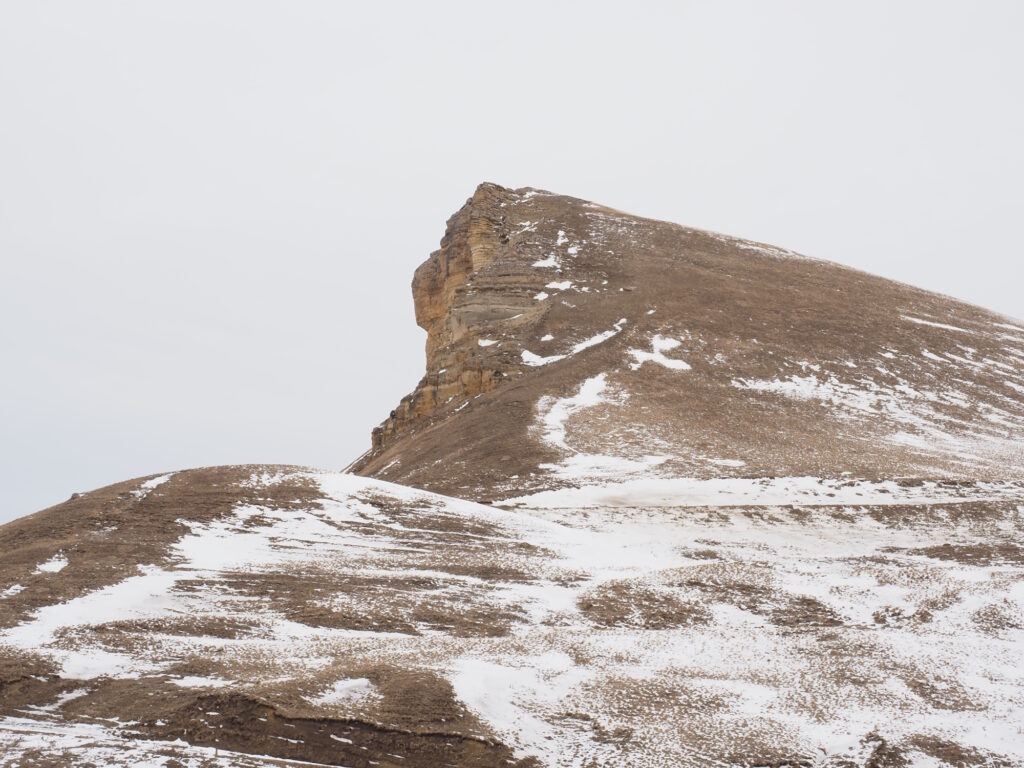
x: 742, y: 508
x: 473, y: 284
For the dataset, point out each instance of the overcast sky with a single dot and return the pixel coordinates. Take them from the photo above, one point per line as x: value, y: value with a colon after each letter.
x: 210, y: 212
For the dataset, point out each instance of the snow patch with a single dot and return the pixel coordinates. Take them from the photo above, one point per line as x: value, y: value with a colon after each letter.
x: 55, y: 564
x: 510, y: 698
x: 63, y: 699
x: 767, y: 491
x: 929, y: 414
x: 553, y: 415
x: 932, y: 324
x: 555, y: 412
x: 1009, y: 327
x: 147, y: 487
x: 346, y: 691
x: 598, y: 466
x: 599, y: 338
x: 533, y: 359
x: 659, y: 345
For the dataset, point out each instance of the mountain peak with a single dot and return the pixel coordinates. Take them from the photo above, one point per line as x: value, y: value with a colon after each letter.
x: 714, y: 354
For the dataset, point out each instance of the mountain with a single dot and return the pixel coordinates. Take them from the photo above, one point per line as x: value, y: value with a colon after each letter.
x: 663, y: 498
x: 568, y: 342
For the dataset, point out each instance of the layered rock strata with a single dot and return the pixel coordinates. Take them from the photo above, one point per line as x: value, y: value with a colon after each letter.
x: 478, y: 286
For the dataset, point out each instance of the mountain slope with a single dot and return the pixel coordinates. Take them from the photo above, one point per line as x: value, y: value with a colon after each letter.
x: 341, y: 620
x: 746, y: 508
x: 571, y: 343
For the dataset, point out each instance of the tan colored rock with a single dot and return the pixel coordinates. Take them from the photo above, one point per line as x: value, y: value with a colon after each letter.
x: 460, y: 303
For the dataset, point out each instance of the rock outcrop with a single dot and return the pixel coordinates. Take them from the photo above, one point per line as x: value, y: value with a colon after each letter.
x: 463, y: 305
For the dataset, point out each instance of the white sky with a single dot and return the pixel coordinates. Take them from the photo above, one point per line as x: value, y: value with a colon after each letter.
x: 210, y: 211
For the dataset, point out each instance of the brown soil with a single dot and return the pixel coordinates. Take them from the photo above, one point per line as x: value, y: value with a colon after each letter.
x: 620, y: 604
x: 239, y: 723
x: 108, y: 533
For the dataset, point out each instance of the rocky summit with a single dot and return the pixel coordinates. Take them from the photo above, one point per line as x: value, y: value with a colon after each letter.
x: 663, y: 497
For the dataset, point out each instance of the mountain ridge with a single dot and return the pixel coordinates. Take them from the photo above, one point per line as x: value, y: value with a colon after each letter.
x: 493, y: 336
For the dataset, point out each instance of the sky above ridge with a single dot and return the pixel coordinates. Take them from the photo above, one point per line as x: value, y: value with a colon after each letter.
x: 210, y: 212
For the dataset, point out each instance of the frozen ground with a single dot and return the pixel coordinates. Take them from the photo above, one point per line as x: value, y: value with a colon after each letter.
x: 682, y: 623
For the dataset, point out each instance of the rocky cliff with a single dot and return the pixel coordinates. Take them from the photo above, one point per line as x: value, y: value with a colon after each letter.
x: 478, y: 287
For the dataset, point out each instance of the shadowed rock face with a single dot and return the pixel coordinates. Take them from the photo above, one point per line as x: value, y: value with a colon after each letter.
x: 712, y: 356
x: 749, y: 509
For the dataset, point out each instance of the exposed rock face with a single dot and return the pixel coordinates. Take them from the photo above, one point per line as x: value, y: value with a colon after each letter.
x: 460, y: 299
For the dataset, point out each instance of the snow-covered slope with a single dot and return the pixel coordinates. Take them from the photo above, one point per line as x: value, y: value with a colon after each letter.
x: 336, y: 619
x: 742, y: 508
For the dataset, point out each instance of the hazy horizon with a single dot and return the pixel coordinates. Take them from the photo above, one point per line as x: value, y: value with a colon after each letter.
x: 210, y: 213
